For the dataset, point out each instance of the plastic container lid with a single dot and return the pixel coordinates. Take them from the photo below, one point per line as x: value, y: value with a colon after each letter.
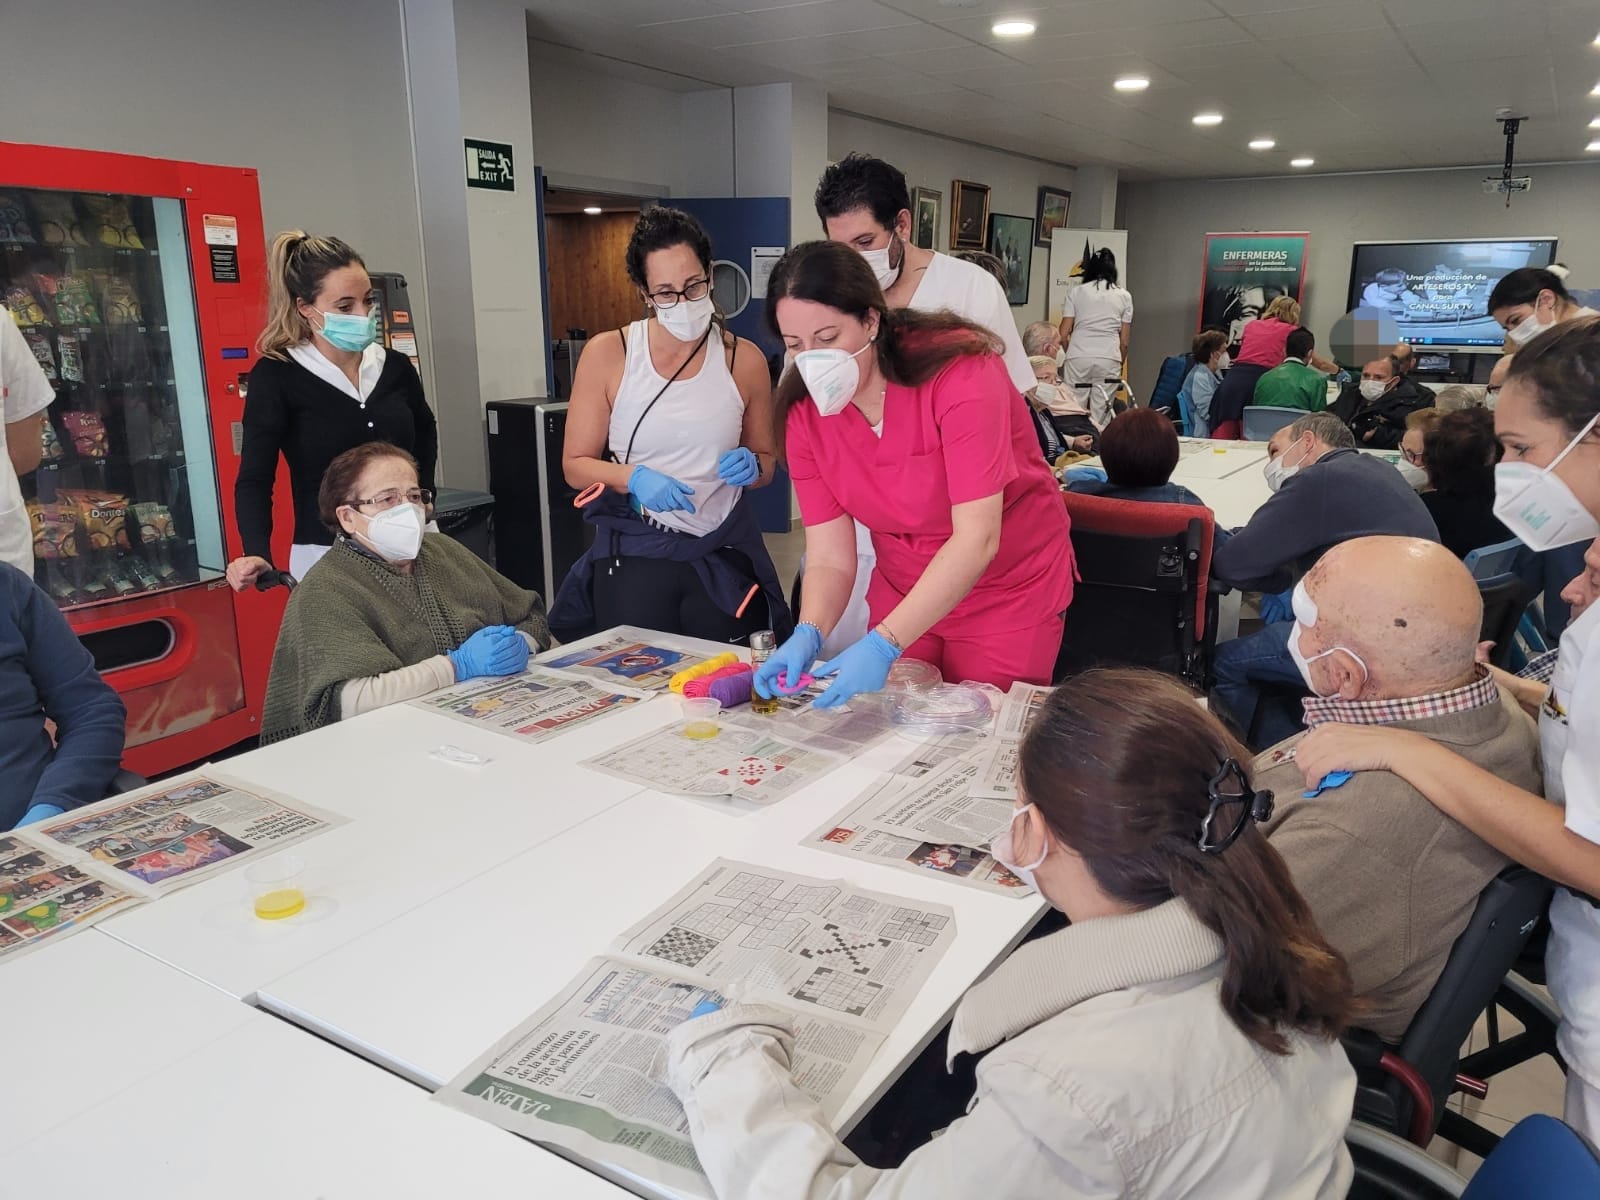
x: 912, y: 675
x: 946, y: 708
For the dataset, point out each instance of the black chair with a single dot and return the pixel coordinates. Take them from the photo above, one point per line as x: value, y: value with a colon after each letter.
x: 1404, y: 1089
x: 1141, y: 599
x: 125, y: 781
x: 1504, y: 599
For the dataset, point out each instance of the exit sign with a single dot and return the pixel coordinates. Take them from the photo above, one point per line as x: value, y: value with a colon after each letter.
x: 489, y: 166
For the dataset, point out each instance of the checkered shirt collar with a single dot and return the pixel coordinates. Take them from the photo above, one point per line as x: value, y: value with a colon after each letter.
x: 1481, y: 692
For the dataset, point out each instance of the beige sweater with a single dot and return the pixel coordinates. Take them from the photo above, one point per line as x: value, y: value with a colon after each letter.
x: 1391, y: 880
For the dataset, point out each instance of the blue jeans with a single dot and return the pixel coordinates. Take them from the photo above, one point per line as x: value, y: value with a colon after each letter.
x: 1242, y: 666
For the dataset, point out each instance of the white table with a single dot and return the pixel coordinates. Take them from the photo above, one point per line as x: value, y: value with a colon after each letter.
x: 175, y: 1092
x: 418, y: 826
x: 427, y: 995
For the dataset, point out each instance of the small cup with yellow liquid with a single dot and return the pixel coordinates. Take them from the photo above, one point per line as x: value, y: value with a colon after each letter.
x: 700, y: 715
x: 275, y: 890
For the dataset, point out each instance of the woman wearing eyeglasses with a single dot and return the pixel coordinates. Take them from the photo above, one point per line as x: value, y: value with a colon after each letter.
x: 670, y: 422
x: 322, y: 385
x: 391, y: 612
x: 1178, y: 1038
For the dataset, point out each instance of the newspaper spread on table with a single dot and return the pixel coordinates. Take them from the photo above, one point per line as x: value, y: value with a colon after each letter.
x: 625, y: 656
x: 62, y: 875
x: 846, y: 730
x: 533, y: 707
x: 935, y: 823
x: 997, y: 768
x: 924, y: 756
x: 740, y: 763
x: 587, y: 1071
x: 1020, y: 709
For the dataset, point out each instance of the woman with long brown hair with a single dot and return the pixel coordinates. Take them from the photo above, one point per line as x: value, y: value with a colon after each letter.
x: 323, y: 385
x: 908, y: 422
x: 1178, y: 1038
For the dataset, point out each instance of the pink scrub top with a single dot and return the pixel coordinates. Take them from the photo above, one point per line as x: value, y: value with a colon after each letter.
x: 964, y: 435
x: 1264, y: 344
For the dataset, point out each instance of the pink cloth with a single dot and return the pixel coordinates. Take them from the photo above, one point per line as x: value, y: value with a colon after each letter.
x: 1264, y: 343
x: 964, y: 435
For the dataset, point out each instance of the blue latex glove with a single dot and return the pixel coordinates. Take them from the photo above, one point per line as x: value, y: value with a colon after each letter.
x: 705, y: 1008
x: 780, y: 674
x: 658, y: 492
x: 739, y: 467
x: 863, y: 667
x: 40, y: 812
x: 1277, y: 606
x: 1333, y: 779
x: 493, y: 650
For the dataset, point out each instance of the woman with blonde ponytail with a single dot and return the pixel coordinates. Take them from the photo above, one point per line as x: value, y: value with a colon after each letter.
x: 323, y: 385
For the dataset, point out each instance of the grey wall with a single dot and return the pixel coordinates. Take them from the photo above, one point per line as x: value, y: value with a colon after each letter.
x: 1167, y: 224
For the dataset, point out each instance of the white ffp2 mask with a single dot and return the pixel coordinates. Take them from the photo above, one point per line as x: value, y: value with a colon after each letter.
x: 396, y: 533
x: 831, y: 376
x: 1537, y: 505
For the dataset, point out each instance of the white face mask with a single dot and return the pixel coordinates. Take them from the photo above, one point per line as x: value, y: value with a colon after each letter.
x: 395, y: 534
x: 831, y: 376
x: 1537, y: 505
x: 1371, y: 389
x: 1224, y: 362
x: 687, y: 320
x: 1305, y: 617
x: 1413, y: 474
x: 1531, y: 327
x: 1047, y: 394
x: 1279, y: 472
x: 878, y: 260
x: 1003, y: 852
x: 1061, y: 357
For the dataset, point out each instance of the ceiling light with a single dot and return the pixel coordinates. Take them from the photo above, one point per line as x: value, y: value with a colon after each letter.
x: 1301, y: 162
x: 1011, y: 29
x: 1262, y: 144
x: 1595, y: 124
x: 1131, y: 83
x: 593, y: 210
x: 1595, y: 90
x: 1208, y: 118
x: 1593, y: 147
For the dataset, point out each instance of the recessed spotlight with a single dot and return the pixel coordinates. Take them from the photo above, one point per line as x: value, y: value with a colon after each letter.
x: 1262, y: 144
x: 1595, y: 124
x: 1595, y: 90
x: 1302, y: 162
x: 1012, y: 29
x: 1593, y: 147
x: 1131, y: 83
x: 1208, y: 118
x: 593, y: 210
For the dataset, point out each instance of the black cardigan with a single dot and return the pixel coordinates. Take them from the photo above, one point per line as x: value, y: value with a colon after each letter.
x: 291, y: 411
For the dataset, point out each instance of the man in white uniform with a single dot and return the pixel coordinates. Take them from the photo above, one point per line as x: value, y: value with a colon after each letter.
x: 864, y: 203
x: 25, y: 393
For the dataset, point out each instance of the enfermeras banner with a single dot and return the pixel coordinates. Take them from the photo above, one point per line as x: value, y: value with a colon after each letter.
x: 1244, y: 272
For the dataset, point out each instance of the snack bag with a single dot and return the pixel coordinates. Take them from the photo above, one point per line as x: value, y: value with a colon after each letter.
x: 104, y: 516
x: 57, y: 220
x: 26, y: 310
x: 50, y: 441
x: 155, y: 521
x: 120, y: 302
x: 40, y: 345
x: 71, y: 357
x: 114, y: 226
x: 140, y: 573
x: 88, y: 433
x: 14, y: 225
x: 55, y: 529
x: 73, y: 298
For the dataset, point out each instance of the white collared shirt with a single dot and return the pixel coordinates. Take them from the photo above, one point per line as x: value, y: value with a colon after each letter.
x: 313, y: 360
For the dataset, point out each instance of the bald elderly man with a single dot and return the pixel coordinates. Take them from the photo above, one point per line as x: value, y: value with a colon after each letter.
x: 1386, y: 632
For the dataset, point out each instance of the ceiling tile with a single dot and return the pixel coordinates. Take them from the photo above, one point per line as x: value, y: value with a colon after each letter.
x: 1339, y: 17
x: 827, y: 16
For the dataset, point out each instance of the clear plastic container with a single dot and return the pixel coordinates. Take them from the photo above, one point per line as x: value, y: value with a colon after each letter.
x: 946, y: 708
x: 275, y: 886
x: 700, y: 715
x: 912, y: 675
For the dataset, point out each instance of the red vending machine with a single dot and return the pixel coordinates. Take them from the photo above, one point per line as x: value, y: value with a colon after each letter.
x: 139, y: 285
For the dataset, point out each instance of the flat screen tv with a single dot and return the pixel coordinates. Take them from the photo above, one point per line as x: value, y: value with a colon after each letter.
x: 1438, y: 291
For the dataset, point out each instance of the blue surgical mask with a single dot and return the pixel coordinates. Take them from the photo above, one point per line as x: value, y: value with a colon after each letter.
x: 347, y: 331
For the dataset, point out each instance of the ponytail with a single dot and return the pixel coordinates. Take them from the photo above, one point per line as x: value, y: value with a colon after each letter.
x: 297, y: 263
x: 1135, y: 815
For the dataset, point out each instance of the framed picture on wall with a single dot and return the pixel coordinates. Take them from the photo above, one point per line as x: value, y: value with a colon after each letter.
x: 925, y: 216
x: 1011, y: 241
x: 1052, y: 214
x: 969, y: 214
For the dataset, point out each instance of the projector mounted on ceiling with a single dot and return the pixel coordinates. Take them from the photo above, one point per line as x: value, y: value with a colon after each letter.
x: 1507, y: 182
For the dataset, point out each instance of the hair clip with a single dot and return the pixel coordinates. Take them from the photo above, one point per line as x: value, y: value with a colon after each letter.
x: 1255, y: 806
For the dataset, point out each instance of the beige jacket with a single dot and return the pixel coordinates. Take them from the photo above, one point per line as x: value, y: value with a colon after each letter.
x: 1114, y: 1073
x: 1390, y: 879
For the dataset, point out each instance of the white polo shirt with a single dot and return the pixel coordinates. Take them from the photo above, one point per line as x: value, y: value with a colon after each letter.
x: 24, y: 392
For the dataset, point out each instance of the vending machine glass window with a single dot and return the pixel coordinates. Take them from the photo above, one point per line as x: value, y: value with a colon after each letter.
x: 125, y: 501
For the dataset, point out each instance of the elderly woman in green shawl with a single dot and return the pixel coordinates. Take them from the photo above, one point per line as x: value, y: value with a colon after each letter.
x: 391, y: 612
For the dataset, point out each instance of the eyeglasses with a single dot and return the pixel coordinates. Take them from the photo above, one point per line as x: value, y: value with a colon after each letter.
x: 1414, y: 457
x: 395, y: 496
x: 697, y: 289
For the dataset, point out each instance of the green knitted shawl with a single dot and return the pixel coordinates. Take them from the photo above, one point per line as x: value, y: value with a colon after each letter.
x: 354, y: 616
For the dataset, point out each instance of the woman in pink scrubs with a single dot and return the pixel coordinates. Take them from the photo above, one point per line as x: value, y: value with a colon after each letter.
x: 908, y: 422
